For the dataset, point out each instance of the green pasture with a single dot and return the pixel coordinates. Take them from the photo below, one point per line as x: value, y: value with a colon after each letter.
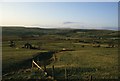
x: 78, y: 56
x: 104, y: 61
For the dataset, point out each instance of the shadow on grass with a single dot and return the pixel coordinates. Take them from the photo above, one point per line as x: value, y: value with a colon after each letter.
x: 27, y: 63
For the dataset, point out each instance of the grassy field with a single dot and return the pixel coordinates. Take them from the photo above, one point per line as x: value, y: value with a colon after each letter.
x: 79, y: 62
x: 13, y: 56
x: 103, y: 61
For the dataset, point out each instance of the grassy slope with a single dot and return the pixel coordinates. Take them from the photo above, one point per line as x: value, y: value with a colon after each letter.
x: 104, y: 60
x: 89, y: 57
x: 13, y: 56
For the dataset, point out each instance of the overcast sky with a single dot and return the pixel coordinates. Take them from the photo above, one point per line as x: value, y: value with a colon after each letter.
x: 91, y: 15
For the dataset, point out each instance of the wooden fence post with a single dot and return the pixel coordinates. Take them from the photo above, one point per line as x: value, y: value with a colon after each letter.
x: 65, y: 73
x: 53, y: 71
x: 32, y: 64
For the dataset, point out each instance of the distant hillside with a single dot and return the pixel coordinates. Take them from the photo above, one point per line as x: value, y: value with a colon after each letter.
x: 27, y: 31
x: 73, y: 35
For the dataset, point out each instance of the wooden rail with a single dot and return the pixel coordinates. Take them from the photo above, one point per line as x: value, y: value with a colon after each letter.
x: 33, y: 62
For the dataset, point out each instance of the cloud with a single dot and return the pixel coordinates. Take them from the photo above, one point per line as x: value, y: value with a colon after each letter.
x: 111, y: 28
x: 79, y: 25
x: 70, y: 22
x: 74, y: 25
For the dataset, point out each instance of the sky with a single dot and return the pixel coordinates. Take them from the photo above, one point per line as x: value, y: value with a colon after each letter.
x: 80, y: 15
x: 59, y: 0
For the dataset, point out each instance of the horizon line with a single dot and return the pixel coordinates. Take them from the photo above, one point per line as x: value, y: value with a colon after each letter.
x: 48, y: 27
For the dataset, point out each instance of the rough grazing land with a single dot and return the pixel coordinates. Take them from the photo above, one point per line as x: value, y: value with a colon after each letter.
x: 75, y: 55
